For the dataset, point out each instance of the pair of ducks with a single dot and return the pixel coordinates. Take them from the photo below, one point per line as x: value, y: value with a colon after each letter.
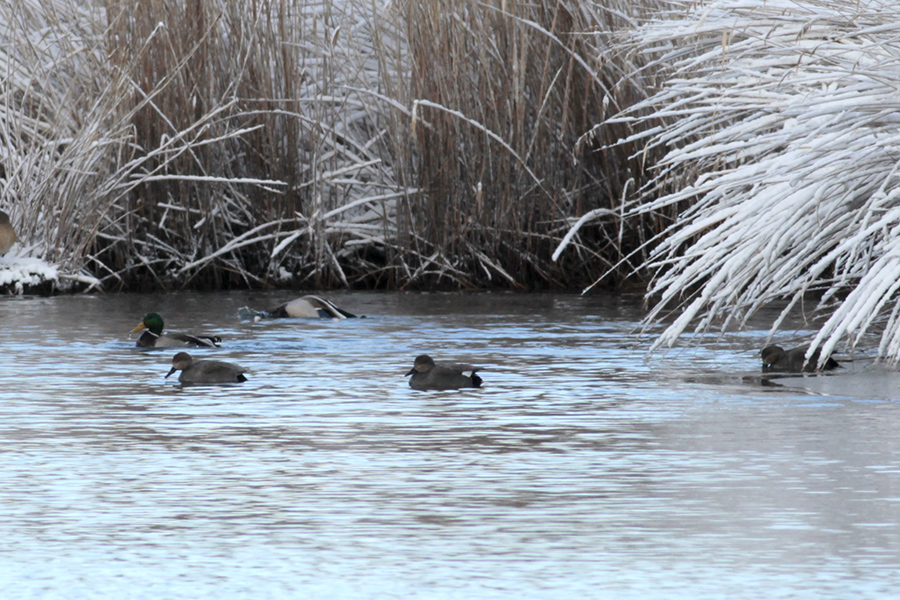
x: 426, y: 374
x: 775, y: 360
x: 307, y: 306
x: 201, y: 371
x: 152, y: 335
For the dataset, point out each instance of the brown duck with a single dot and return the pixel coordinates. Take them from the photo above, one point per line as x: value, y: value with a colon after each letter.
x: 426, y: 375
x: 776, y: 359
x: 205, y: 371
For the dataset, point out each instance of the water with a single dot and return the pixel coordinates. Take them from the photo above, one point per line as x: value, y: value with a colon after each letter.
x: 580, y: 470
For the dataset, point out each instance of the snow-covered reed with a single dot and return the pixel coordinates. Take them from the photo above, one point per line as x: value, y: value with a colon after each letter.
x: 782, y: 154
x: 291, y: 177
x: 57, y: 135
x: 219, y: 143
x: 210, y: 142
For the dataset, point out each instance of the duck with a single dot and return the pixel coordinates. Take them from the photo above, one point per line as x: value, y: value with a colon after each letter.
x: 7, y: 233
x: 426, y: 375
x: 205, y: 371
x: 305, y: 307
x: 309, y: 307
x: 777, y: 359
x: 153, y: 336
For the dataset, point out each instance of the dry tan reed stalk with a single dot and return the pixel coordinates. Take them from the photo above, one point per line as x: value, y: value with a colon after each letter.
x: 507, y: 90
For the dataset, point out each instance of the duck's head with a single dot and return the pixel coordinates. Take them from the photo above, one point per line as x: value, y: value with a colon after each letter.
x: 422, y: 364
x: 180, y: 362
x: 151, y: 321
x: 771, y: 354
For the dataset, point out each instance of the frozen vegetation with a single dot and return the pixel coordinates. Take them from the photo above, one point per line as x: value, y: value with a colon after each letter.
x: 730, y: 153
x: 781, y: 145
x: 236, y: 143
x: 25, y: 274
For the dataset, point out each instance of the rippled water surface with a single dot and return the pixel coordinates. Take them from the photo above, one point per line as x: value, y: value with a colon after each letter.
x: 580, y: 470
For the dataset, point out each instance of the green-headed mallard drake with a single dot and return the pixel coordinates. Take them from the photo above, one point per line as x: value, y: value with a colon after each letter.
x: 205, y: 371
x: 153, y: 336
x: 426, y: 375
x: 7, y: 233
x: 776, y: 359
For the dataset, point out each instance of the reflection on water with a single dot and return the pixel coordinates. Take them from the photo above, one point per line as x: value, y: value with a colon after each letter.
x: 579, y: 470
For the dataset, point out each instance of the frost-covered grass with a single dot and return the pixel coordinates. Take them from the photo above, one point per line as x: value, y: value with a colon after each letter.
x: 782, y: 148
x: 220, y: 143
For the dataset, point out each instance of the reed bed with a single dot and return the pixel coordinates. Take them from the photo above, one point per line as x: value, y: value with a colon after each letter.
x: 288, y: 177
x: 501, y: 94
x: 217, y: 143
x: 782, y: 154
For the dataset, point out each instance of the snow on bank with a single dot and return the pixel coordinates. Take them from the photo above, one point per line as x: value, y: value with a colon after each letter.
x: 29, y: 275
x: 22, y: 274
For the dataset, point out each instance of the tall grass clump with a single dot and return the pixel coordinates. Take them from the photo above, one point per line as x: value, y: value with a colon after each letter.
x: 502, y: 92
x: 783, y: 145
x: 287, y: 177
x: 60, y: 131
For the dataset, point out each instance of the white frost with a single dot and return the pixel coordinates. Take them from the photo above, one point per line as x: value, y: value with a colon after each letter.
x: 19, y: 273
x: 784, y: 143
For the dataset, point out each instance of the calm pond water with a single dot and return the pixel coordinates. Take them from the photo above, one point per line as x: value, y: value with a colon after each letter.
x: 580, y: 470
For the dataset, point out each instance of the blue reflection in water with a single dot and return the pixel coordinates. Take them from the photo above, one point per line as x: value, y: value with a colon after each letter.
x: 580, y: 470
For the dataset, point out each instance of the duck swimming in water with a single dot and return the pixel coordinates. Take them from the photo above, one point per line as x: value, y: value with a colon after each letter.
x: 205, y: 371
x: 427, y: 375
x: 309, y: 307
x: 153, y: 336
x: 776, y: 359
